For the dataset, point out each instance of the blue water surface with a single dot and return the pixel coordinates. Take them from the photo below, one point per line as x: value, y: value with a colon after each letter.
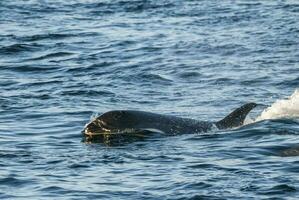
x: 63, y: 62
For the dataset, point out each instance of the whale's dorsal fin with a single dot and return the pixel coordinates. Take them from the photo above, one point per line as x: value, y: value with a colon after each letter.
x: 236, y: 118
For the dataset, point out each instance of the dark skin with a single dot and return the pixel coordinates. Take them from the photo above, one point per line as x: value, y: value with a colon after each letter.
x: 117, y: 121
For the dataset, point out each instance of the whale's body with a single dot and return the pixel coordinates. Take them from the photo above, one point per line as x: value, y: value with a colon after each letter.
x: 123, y: 122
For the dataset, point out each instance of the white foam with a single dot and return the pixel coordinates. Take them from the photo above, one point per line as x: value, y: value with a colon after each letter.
x: 286, y: 108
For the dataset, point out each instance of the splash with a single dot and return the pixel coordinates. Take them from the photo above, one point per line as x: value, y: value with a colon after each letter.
x: 286, y: 108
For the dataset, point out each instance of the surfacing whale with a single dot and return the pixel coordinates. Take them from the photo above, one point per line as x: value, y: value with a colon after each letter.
x: 127, y: 123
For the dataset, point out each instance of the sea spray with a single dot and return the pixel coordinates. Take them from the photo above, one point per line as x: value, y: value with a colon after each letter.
x: 286, y: 108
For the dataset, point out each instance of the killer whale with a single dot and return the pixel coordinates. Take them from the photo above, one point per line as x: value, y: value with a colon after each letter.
x: 126, y: 122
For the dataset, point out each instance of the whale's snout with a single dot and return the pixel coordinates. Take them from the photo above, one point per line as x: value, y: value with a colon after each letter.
x: 90, y: 128
x: 95, y: 127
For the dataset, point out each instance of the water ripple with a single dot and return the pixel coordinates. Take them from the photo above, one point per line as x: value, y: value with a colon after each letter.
x: 63, y: 63
x: 17, y: 48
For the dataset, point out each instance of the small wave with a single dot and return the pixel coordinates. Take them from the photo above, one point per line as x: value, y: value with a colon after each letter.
x: 94, y: 67
x: 289, y: 83
x: 14, y: 182
x: 54, y: 36
x: 256, y: 81
x: 55, y: 189
x: 16, y: 48
x: 149, y: 78
x: 155, y: 78
x: 129, y: 6
x: 292, y: 151
x: 32, y: 38
x: 279, y: 189
x: 287, y: 108
x: 190, y: 74
x: 224, y: 81
x: 30, y: 68
x: 77, y: 165
x: 88, y: 93
x: 53, y: 55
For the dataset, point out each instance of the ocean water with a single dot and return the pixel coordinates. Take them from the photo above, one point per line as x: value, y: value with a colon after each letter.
x: 64, y: 62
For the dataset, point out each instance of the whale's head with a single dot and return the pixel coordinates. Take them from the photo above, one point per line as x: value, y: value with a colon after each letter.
x: 113, y: 121
x: 115, y: 127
